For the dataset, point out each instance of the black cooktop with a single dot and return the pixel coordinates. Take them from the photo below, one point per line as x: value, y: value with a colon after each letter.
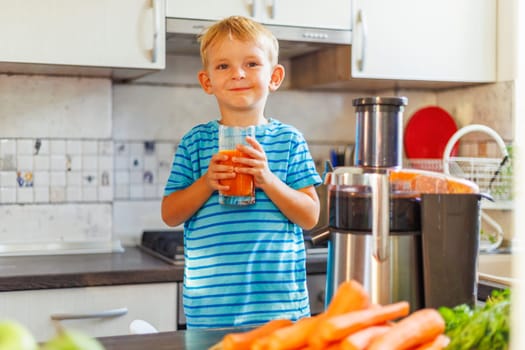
x: 167, y: 245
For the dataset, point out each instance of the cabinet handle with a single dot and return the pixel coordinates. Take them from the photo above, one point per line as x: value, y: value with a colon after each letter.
x: 100, y: 314
x: 273, y: 9
x: 251, y: 4
x: 361, y: 21
x: 156, y: 30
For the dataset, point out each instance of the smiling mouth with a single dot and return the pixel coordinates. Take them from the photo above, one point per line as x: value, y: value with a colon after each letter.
x: 240, y: 89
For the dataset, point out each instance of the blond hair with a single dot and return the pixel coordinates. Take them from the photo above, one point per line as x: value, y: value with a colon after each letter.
x: 239, y: 28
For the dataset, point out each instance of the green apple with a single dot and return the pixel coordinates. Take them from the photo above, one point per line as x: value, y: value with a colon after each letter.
x: 14, y: 336
x: 68, y: 339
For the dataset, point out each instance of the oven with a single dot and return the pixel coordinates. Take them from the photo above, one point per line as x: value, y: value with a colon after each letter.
x: 168, y: 245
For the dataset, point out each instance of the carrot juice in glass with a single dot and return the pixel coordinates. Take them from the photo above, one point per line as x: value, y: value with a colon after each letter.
x: 242, y: 189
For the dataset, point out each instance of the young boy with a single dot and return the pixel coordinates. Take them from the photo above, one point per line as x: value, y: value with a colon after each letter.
x: 244, y: 265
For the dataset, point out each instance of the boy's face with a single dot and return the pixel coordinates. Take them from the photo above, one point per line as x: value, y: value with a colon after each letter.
x: 240, y: 75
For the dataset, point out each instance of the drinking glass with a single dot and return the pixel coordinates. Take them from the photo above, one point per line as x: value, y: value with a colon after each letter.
x: 242, y: 189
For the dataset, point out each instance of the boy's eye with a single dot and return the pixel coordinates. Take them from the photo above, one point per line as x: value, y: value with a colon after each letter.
x: 252, y: 64
x: 222, y: 66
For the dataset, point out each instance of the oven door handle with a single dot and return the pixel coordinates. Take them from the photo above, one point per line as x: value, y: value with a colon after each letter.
x: 97, y: 314
x: 320, y: 235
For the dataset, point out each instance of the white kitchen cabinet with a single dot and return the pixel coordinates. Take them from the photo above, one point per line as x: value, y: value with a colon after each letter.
x: 328, y: 14
x: 155, y: 303
x: 433, y: 40
x: 128, y: 34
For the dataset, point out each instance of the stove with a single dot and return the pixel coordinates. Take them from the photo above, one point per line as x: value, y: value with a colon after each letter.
x: 165, y: 245
x: 169, y: 245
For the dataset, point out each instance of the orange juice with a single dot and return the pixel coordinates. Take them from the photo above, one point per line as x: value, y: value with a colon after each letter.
x: 241, y: 184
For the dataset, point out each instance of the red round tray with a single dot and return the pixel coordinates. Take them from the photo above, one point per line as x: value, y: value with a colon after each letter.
x: 427, y: 133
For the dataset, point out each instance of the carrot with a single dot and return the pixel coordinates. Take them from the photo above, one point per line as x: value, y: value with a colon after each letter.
x: 243, y: 340
x: 349, y: 296
x: 440, y: 342
x: 420, y: 327
x: 294, y: 336
x: 336, y: 328
x: 361, y: 339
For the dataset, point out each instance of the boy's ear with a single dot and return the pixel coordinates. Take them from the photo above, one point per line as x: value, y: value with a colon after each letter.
x: 276, y: 78
x: 205, y: 81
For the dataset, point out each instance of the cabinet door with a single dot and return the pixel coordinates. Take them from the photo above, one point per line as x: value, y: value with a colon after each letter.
x: 329, y: 14
x: 436, y: 40
x: 101, y: 33
x: 210, y: 9
x: 154, y: 303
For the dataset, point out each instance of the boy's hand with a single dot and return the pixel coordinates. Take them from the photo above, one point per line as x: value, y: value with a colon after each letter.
x: 217, y: 171
x: 256, y: 164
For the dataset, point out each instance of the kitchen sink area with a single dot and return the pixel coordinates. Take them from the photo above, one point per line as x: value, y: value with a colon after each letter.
x: 496, y: 268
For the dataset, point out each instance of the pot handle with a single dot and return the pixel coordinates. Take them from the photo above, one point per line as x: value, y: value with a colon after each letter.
x: 320, y: 235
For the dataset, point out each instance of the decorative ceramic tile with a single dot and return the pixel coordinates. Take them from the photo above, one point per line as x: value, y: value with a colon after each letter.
x: 42, y: 147
x: 57, y: 194
x: 90, y: 194
x: 25, y: 195
x: 89, y: 163
x: 7, y: 195
x: 74, y: 178
x: 7, y: 147
x: 105, y: 148
x: 8, y: 179
x: 41, y: 194
x: 105, y: 194
x: 121, y: 191
x: 7, y: 162
x: 41, y: 162
x: 24, y: 147
x: 122, y: 177
x: 58, y: 147
x: 89, y: 178
x: 74, y: 147
x: 42, y: 179
x: 57, y: 178
x: 59, y: 162
x: 24, y: 178
x: 24, y: 162
x: 121, y: 149
x: 89, y: 147
x: 74, y: 194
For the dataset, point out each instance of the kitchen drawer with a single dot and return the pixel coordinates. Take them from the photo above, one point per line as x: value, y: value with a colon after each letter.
x: 154, y: 303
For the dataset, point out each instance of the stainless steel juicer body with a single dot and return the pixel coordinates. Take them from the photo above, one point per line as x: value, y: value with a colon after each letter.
x: 389, y: 266
x: 366, y: 242
x: 401, y: 244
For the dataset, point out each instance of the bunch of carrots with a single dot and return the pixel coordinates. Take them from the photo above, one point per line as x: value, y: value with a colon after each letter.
x: 350, y: 322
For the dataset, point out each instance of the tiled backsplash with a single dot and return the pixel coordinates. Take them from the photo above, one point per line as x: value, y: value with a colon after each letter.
x: 65, y: 171
x: 142, y: 168
x: 90, y: 171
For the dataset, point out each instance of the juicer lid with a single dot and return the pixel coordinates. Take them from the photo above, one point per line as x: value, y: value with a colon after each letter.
x: 378, y: 100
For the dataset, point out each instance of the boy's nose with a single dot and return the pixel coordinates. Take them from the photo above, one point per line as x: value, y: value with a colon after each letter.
x: 238, y: 73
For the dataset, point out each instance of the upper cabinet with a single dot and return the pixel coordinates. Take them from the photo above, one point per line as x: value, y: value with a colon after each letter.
x: 329, y: 14
x: 409, y: 43
x: 118, y: 38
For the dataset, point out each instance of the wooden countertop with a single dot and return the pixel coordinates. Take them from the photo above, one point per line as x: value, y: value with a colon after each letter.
x: 84, y: 270
x: 179, y: 340
x: 88, y: 270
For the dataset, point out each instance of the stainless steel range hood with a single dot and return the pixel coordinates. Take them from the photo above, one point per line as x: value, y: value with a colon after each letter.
x: 181, y: 37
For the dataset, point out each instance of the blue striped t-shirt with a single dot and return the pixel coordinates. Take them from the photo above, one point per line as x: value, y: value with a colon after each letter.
x: 243, y: 265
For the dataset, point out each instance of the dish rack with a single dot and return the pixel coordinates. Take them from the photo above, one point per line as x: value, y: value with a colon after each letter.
x: 493, y: 175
